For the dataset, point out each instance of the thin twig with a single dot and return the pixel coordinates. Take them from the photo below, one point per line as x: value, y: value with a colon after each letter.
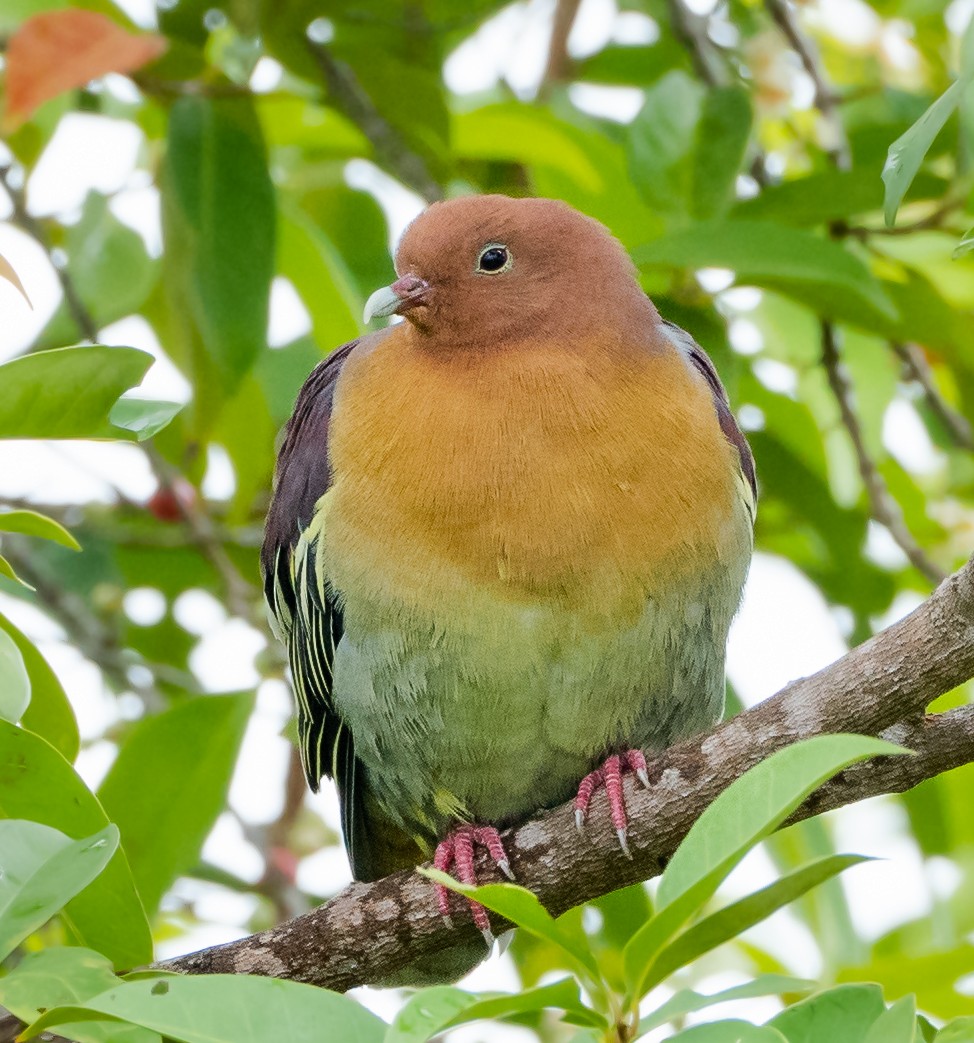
x: 26, y: 222
x: 919, y: 370
x: 558, y: 64
x: 883, y: 506
x: 691, y: 29
x: 92, y: 638
x: 391, y: 150
x: 825, y: 98
x: 240, y: 594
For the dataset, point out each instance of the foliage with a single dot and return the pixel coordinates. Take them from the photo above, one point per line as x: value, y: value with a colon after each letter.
x: 258, y: 124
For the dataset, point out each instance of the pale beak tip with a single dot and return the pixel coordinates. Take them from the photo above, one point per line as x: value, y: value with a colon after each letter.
x: 382, y: 303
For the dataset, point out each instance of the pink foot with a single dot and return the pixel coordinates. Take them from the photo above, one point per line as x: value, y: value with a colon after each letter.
x: 456, y: 849
x: 610, y: 776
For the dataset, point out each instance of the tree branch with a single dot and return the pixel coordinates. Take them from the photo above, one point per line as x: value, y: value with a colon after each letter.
x: 882, y: 505
x: 370, y: 930
x: 691, y: 29
x: 26, y: 222
x: 391, y: 150
x: 558, y: 64
x: 918, y: 369
x: 825, y: 98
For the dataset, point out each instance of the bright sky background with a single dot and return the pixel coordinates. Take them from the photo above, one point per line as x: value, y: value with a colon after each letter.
x: 784, y: 629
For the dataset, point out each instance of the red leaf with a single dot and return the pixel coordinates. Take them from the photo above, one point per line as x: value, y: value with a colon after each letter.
x: 57, y: 51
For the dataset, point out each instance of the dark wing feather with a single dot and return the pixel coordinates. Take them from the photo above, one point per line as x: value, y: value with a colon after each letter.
x: 306, y: 613
x: 701, y: 361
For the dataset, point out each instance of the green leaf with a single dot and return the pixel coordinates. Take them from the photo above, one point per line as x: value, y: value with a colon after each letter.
x: 749, y: 809
x: 30, y: 523
x: 721, y: 139
x: 61, y: 976
x: 966, y: 245
x: 49, y: 714
x: 42, y: 869
x: 6, y: 569
x: 728, y: 923
x: 144, y: 417
x: 227, y: 1008
x: 524, y: 134
x: 169, y: 783
x: 434, y: 1009
x: 844, y: 1013
x: 426, y: 1013
x: 907, y: 152
x: 14, y: 680
x: 38, y: 784
x: 960, y: 1030
x: 218, y: 222
x: 732, y: 1032
x: 661, y: 140
x: 522, y: 908
x: 811, y: 269
x: 110, y: 270
x: 898, y: 1024
x: 686, y: 1001
x: 67, y: 392
x: 309, y: 258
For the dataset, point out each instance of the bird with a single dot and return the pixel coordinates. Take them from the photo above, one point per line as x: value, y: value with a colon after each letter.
x: 507, y: 538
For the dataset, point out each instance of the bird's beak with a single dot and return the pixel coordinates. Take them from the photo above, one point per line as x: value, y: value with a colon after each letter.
x: 407, y: 292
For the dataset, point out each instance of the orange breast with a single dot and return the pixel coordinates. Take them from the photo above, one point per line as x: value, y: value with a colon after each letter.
x: 544, y: 471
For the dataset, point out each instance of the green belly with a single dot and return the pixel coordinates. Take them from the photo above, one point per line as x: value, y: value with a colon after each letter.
x: 490, y: 724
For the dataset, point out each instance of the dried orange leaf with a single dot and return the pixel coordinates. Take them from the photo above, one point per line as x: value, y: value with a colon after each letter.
x: 7, y: 272
x: 56, y: 51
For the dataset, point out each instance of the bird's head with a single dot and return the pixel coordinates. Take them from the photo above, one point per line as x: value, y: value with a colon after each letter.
x: 490, y: 271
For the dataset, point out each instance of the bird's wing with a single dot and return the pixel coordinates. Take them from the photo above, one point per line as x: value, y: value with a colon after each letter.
x: 701, y: 362
x: 303, y: 611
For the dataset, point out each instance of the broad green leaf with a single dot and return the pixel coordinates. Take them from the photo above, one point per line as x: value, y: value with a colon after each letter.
x: 686, y: 1001
x: 722, y: 136
x: 67, y: 392
x: 828, y: 195
x: 898, y: 1024
x: 38, y: 784
x: 218, y: 222
x: 809, y: 268
x: 42, y: 870
x: 49, y: 714
x: 960, y: 1030
x: 523, y: 134
x: 14, y: 680
x: 434, y: 1009
x: 559, y: 995
x: 143, y: 417
x: 844, y: 1013
x: 522, y: 908
x: 731, y: 1032
x: 168, y: 785
x: 308, y: 257
x: 908, y: 151
x: 428, y: 1012
x: 661, y: 141
x: 735, y: 919
x: 227, y: 1008
x: 30, y: 523
x: 66, y: 975
x: 749, y: 809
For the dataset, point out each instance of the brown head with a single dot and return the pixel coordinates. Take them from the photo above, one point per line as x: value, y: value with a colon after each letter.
x: 492, y: 271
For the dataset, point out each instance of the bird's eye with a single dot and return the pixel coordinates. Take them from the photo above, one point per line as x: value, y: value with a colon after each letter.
x: 494, y: 259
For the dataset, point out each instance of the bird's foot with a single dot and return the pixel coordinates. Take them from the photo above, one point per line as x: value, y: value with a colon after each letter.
x: 609, y: 776
x: 456, y: 851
